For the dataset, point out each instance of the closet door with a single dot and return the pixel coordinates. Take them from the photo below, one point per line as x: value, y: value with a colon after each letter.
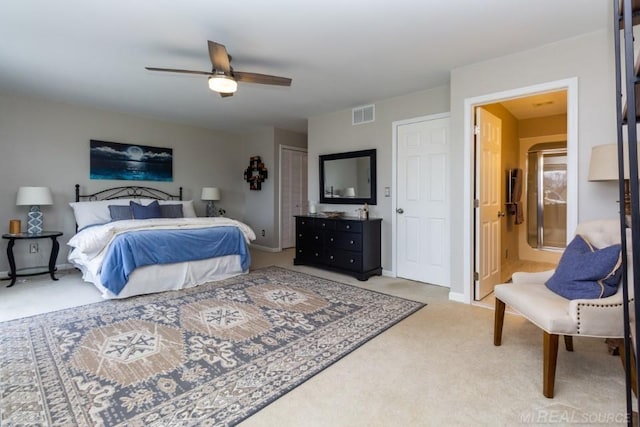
x: 293, y: 167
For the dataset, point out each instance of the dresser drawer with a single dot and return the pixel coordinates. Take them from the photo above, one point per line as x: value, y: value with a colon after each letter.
x: 309, y: 253
x: 344, y: 259
x: 304, y: 223
x: 324, y: 224
x: 308, y: 236
x: 352, y: 226
x: 342, y: 240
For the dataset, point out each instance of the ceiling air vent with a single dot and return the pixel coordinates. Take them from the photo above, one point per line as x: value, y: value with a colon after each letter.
x: 364, y: 114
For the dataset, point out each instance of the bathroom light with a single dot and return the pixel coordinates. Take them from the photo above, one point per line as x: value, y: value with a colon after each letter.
x: 223, y: 84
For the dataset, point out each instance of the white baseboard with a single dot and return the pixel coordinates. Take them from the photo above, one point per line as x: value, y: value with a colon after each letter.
x: 388, y: 273
x: 264, y: 248
x: 456, y: 296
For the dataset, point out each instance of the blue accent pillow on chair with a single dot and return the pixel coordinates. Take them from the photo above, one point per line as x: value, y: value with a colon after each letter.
x: 152, y: 210
x: 585, y: 272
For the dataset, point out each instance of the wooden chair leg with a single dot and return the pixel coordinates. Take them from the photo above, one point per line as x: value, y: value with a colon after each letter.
x: 498, y: 321
x: 550, y: 349
x: 568, y: 342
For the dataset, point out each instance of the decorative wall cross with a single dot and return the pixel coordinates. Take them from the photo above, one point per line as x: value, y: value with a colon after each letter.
x: 256, y: 173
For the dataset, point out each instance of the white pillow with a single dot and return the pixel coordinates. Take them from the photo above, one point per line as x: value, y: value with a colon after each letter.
x: 95, y: 212
x: 188, y: 211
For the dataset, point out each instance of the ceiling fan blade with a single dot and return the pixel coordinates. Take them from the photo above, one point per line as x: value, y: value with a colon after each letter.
x: 225, y: 95
x: 219, y: 57
x: 173, y: 70
x: 264, y: 79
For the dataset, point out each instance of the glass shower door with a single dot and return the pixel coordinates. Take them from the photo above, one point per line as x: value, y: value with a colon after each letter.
x: 547, y: 199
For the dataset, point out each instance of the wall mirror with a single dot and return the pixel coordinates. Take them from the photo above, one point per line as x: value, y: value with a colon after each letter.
x: 348, y: 178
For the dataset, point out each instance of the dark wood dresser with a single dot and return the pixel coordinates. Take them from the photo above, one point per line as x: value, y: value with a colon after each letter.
x: 346, y: 245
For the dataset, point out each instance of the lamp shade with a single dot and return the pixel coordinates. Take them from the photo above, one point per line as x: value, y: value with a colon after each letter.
x: 350, y: 192
x: 604, y: 162
x: 32, y: 196
x: 210, y: 193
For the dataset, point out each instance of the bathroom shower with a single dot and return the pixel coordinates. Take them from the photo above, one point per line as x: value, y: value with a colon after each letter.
x: 546, y: 195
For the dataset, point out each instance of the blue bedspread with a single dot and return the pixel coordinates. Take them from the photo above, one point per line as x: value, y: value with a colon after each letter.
x: 136, y: 249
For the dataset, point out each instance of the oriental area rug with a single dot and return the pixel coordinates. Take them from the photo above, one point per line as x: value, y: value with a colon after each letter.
x: 210, y: 355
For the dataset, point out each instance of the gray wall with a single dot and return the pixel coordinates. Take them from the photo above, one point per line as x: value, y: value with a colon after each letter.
x: 45, y: 143
x: 588, y: 57
x: 334, y: 133
x: 259, y: 205
x: 262, y: 208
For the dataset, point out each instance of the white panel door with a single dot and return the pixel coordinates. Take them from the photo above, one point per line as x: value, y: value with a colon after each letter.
x: 293, y: 197
x: 423, y: 222
x: 489, y: 212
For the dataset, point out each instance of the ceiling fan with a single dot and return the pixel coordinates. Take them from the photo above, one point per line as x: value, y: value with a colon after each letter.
x: 223, y: 78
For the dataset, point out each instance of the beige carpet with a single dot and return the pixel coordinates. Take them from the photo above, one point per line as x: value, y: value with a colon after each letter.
x: 437, y: 367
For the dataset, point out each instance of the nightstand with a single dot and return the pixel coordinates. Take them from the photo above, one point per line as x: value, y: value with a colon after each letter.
x: 32, y: 271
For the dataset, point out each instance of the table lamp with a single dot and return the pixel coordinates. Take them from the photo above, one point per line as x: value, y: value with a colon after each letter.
x: 604, y: 167
x: 210, y: 194
x: 34, y: 197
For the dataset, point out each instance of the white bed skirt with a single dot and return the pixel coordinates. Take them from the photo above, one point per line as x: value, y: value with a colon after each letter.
x: 170, y: 277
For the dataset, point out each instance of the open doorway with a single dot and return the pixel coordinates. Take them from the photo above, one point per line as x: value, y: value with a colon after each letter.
x: 536, y: 139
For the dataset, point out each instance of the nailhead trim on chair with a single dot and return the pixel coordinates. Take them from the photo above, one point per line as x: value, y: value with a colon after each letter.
x: 595, y: 305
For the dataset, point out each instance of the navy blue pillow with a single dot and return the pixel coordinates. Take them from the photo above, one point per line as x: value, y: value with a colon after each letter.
x: 585, y: 272
x: 171, y: 211
x: 120, y: 212
x: 152, y: 210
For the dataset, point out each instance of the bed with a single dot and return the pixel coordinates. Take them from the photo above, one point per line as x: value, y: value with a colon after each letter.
x: 138, y: 240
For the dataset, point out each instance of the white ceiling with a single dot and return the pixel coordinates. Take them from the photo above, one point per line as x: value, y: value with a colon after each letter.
x: 340, y: 54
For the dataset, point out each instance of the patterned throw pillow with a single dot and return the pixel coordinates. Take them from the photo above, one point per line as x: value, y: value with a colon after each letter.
x: 585, y: 272
x: 152, y: 210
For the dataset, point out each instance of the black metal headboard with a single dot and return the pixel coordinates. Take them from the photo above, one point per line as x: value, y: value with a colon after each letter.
x: 127, y: 192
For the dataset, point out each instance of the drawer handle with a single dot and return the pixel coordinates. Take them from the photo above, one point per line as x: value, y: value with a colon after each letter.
x: 323, y: 224
x: 300, y: 235
x: 348, y: 227
x: 351, y: 242
x: 331, y: 239
x: 316, y: 253
x: 351, y: 261
x: 331, y: 257
x: 302, y: 222
x: 316, y: 237
x: 299, y: 251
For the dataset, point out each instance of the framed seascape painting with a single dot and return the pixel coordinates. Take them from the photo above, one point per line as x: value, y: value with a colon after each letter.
x: 113, y: 160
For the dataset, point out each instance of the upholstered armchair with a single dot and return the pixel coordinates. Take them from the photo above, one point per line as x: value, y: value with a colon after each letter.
x: 557, y: 315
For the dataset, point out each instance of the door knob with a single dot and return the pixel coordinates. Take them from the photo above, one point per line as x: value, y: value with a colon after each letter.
x: 400, y: 210
x: 501, y: 214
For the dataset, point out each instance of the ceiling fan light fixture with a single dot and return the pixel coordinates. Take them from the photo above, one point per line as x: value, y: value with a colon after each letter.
x: 223, y: 84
